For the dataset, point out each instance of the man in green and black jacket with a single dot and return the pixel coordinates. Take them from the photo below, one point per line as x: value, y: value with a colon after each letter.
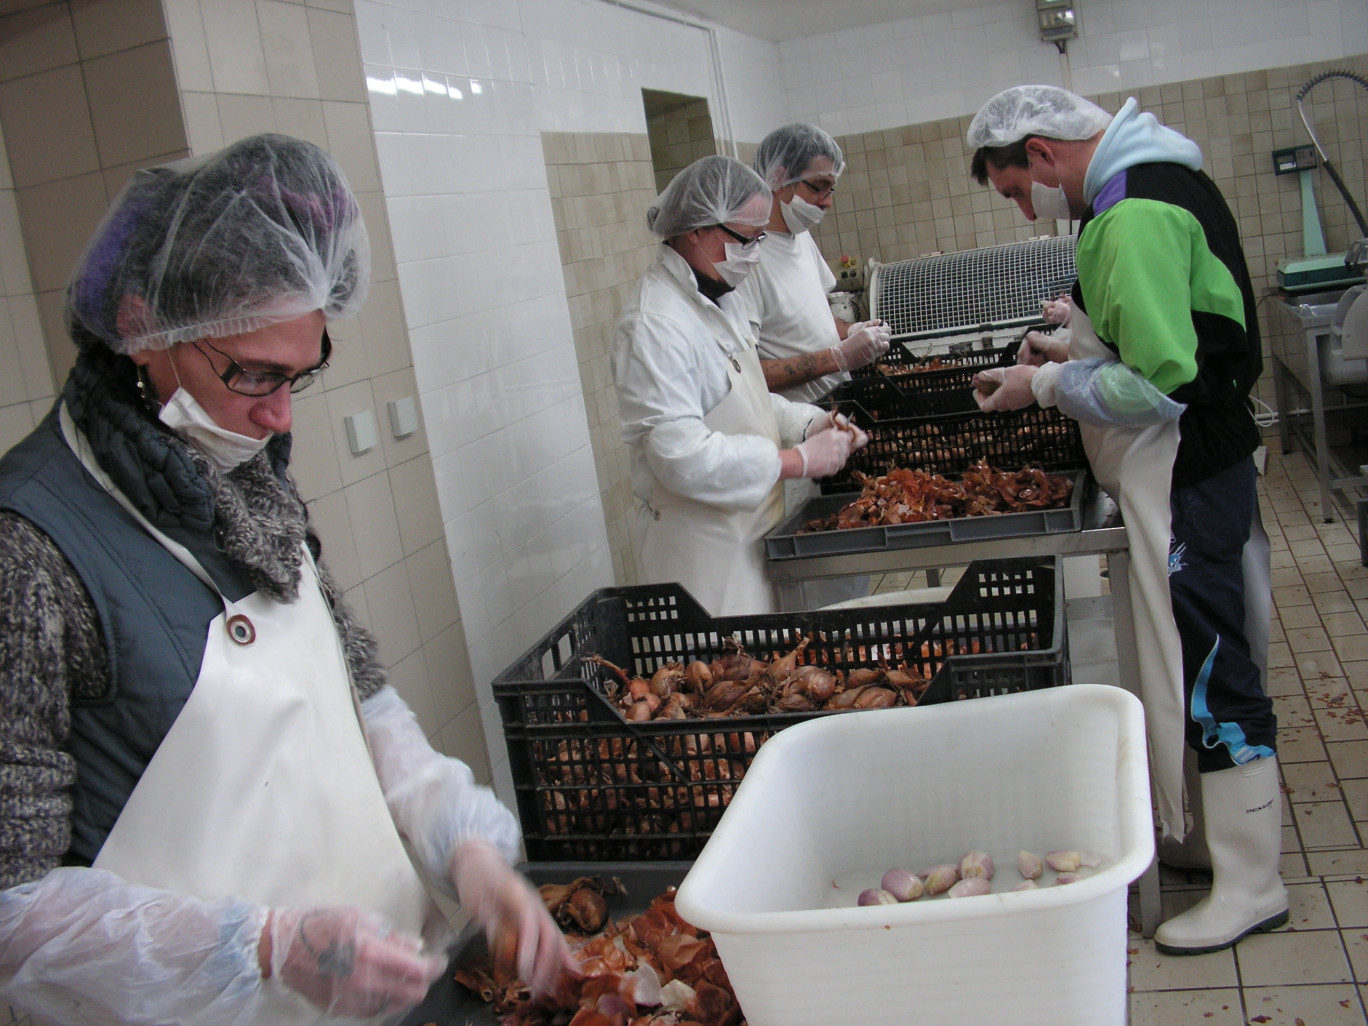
x: 1163, y: 355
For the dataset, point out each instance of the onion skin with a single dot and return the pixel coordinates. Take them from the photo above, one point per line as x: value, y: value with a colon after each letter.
x: 876, y: 698
x: 862, y: 676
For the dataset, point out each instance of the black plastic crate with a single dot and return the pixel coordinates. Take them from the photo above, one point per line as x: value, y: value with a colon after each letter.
x: 591, y: 785
x: 950, y: 443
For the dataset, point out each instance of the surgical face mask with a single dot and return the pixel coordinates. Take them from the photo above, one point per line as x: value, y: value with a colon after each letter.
x: 1050, y: 202
x: 226, y: 449
x: 738, y: 263
x: 800, y: 215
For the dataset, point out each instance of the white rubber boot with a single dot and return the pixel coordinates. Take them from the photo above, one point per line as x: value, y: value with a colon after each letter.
x: 1244, y: 832
x: 1191, y: 852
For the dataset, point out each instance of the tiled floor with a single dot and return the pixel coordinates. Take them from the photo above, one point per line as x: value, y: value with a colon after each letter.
x: 1314, y: 972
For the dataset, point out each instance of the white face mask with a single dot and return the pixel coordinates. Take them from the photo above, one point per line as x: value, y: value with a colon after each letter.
x: 1050, y: 203
x: 738, y: 263
x: 226, y: 449
x: 800, y: 215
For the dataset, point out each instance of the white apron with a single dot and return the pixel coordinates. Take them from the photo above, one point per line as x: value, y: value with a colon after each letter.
x: 264, y: 787
x: 718, y: 555
x: 1135, y: 466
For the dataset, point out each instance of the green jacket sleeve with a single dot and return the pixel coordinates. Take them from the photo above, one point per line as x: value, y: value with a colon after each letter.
x: 1135, y: 267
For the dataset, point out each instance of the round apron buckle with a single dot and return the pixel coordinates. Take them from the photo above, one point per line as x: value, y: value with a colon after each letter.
x: 241, y: 629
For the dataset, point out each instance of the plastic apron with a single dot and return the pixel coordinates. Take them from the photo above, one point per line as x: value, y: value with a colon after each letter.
x: 717, y: 554
x: 264, y: 787
x: 1135, y: 466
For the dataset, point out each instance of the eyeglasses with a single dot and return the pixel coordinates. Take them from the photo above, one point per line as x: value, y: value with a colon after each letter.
x: 821, y: 188
x: 262, y: 383
x: 747, y: 244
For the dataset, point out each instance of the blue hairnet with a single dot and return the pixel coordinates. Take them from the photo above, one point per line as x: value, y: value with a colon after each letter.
x: 265, y: 230
x: 785, y: 155
x: 709, y: 191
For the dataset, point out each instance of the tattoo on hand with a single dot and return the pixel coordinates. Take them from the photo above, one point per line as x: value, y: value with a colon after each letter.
x: 335, y: 960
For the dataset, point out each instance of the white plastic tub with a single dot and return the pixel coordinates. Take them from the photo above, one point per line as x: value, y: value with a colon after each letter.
x: 828, y: 806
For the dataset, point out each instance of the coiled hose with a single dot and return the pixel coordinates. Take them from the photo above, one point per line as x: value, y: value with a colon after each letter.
x: 1329, y: 167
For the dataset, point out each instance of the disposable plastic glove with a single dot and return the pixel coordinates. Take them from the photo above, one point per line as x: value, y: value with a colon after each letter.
x: 433, y: 798
x: 1004, y: 388
x: 1057, y: 311
x: 84, y: 947
x: 1038, y: 348
x: 864, y: 343
x: 825, y: 452
x: 829, y: 420
x: 1108, y: 392
x: 350, y: 962
x: 512, y: 915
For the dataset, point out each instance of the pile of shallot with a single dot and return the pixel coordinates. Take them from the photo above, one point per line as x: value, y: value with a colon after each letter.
x: 651, y: 969
x: 973, y: 875
x: 738, y: 684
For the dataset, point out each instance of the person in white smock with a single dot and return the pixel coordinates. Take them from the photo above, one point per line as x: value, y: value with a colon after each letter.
x: 710, y: 444
x: 215, y: 808
x: 1163, y: 353
x: 805, y: 350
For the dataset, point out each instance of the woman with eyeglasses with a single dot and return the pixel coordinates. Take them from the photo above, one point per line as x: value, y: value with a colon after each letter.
x: 214, y: 809
x: 709, y: 442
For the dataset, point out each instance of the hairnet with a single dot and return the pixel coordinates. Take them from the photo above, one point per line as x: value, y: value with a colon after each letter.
x: 265, y: 230
x: 709, y: 191
x: 1055, y: 113
x: 786, y: 154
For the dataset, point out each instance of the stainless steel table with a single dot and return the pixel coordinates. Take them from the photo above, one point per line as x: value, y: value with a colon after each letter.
x: 1102, y: 534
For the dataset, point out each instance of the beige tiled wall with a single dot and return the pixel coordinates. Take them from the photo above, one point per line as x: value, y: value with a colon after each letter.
x: 91, y: 90
x: 907, y: 190
x: 678, y: 138
x: 601, y: 185
x: 87, y: 96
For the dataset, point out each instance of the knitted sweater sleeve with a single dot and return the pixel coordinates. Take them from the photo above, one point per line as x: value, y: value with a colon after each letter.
x: 50, y: 651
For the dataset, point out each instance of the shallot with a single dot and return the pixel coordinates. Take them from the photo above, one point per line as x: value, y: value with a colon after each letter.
x: 976, y: 863
x: 903, y: 884
x: 970, y: 887
x: 939, y: 879
x: 1029, y: 865
x: 876, y: 896
x: 1063, y: 861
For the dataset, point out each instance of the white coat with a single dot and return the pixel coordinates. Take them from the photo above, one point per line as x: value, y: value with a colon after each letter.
x: 676, y: 356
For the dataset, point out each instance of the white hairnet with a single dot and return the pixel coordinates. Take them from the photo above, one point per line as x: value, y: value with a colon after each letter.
x: 786, y: 154
x: 709, y: 191
x: 1055, y: 113
x: 265, y: 230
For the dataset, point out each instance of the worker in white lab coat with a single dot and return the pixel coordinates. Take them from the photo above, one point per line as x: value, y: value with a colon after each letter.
x: 215, y: 809
x: 805, y: 350
x: 709, y: 442
x: 1164, y: 351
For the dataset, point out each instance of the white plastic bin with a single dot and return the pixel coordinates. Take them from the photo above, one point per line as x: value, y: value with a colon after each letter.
x: 828, y: 806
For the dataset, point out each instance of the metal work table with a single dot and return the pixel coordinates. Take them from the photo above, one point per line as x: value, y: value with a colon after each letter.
x: 1102, y: 533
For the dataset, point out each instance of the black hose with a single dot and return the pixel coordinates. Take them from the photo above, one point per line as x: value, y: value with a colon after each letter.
x: 1329, y: 167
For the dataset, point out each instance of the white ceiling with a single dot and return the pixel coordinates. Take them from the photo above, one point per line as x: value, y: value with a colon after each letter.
x: 777, y: 20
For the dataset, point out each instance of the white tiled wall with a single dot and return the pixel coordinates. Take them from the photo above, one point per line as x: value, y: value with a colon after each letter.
x: 945, y: 65
x: 460, y: 93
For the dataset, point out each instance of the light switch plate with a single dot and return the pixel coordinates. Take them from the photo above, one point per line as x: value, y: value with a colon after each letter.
x: 403, y: 416
x: 362, y: 435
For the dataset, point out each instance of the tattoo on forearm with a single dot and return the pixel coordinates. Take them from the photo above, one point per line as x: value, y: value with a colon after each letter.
x: 794, y: 370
